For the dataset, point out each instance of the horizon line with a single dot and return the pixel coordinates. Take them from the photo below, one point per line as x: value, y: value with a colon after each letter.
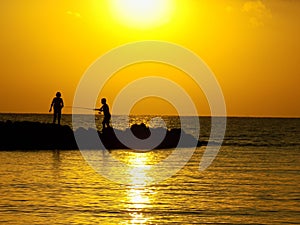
x: 228, y: 116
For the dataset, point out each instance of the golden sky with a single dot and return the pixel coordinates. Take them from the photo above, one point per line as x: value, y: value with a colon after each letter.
x: 252, y: 47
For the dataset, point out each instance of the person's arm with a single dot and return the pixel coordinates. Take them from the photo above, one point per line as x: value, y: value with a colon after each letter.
x: 100, y: 110
x: 51, y: 106
x: 62, y: 103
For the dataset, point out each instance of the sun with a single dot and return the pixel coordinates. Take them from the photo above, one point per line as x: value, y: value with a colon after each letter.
x: 142, y: 13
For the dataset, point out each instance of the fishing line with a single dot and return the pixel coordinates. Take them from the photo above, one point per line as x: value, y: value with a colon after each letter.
x: 79, y: 107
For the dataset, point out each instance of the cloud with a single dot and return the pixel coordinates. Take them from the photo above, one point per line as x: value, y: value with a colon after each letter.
x: 257, y: 11
x: 76, y: 14
x: 254, y: 6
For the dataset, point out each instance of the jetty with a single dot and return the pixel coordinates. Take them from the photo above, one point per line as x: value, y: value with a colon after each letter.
x: 45, y: 136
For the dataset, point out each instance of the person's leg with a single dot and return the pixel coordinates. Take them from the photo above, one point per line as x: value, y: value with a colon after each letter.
x: 54, y: 116
x: 58, y: 117
x: 107, y: 121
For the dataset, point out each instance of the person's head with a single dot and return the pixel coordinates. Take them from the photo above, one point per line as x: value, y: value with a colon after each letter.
x: 103, y: 100
x: 58, y: 94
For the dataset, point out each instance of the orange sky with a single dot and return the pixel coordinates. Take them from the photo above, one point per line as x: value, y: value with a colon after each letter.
x: 252, y: 47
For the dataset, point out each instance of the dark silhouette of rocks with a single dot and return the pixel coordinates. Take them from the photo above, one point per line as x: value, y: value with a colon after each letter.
x: 44, y: 136
x: 35, y: 136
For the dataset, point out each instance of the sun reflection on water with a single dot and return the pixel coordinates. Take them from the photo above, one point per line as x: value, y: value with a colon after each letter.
x: 138, y: 201
x: 139, y: 195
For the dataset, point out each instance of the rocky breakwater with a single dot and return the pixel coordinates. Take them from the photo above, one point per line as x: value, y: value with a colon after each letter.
x: 44, y: 136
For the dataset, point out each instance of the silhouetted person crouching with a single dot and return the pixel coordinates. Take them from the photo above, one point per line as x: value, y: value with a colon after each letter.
x: 57, y: 104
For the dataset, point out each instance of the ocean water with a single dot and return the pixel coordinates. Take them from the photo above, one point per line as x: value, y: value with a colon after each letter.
x: 255, y: 179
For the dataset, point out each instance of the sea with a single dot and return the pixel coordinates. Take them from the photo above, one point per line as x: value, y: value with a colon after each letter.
x: 254, y: 179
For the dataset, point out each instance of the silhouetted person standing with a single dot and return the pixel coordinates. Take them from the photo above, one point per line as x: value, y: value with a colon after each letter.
x: 105, y: 110
x: 57, y: 104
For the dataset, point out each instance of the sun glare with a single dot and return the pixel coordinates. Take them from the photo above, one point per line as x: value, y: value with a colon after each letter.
x: 142, y: 13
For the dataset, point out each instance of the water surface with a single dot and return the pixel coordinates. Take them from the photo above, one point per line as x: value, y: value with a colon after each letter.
x: 243, y: 186
x: 255, y: 179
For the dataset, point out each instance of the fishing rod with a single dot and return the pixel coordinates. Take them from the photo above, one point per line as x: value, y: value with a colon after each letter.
x: 78, y: 107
